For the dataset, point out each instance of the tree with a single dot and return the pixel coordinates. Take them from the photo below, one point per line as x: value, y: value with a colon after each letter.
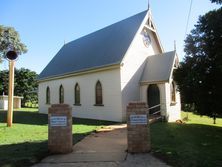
x: 217, y: 1
x: 200, y: 74
x: 4, y: 79
x: 10, y: 40
x: 25, y: 84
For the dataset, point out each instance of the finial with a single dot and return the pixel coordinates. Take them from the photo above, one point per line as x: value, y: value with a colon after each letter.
x: 148, y: 4
x: 175, y: 45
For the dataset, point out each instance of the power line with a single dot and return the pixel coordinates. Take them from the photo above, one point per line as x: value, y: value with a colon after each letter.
x: 188, y: 18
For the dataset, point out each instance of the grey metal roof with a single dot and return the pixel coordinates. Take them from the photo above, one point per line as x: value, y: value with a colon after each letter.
x: 158, y: 67
x: 101, y: 48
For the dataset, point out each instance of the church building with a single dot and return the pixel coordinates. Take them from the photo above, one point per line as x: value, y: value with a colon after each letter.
x: 100, y: 73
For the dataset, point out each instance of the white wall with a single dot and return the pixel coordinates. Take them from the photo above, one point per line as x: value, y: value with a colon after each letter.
x: 173, y: 111
x: 4, y: 104
x: 110, y: 80
x: 133, y: 66
x: 143, y: 93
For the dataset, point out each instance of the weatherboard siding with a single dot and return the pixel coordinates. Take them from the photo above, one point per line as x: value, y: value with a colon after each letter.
x: 118, y: 63
x: 172, y: 111
x: 132, y: 68
x: 110, y: 80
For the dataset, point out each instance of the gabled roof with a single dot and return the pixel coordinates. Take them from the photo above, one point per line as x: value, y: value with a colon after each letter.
x: 158, y: 68
x: 99, y: 49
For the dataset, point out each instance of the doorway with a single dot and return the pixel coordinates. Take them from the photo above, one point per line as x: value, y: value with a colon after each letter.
x: 153, y: 98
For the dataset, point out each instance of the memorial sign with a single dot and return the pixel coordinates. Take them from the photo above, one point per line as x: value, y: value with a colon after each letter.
x: 58, y: 121
x: 140, y: 119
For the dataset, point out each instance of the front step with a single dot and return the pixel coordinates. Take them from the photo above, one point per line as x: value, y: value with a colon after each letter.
x: 155, y: 118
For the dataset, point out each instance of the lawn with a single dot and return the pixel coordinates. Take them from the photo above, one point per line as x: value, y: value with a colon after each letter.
x: 196, y: 143
x: 26, y: 142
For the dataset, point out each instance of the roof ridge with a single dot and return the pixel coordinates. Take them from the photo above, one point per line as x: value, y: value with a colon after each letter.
x: 164, y: 53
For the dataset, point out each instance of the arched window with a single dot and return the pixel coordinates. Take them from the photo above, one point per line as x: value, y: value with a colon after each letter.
x: 47, y: 95
x: 77, y: 94
x: 173, y: 92
x: 61, y: 94
x: 99, y: 97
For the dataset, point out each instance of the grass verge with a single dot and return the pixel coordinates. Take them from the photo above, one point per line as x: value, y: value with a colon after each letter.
x: 196, y: 143
x: 25, y: 143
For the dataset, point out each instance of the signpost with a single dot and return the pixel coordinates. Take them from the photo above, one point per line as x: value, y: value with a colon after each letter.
x: 11, y: 56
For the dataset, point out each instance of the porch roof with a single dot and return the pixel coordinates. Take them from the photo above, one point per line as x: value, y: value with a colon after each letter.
x: 158, y: 68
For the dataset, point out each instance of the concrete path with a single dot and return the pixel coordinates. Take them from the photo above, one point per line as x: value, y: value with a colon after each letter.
x: 107, y: 148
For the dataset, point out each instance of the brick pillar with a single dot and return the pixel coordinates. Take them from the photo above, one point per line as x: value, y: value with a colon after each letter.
x: 138, y: 131
x: 60, y: 128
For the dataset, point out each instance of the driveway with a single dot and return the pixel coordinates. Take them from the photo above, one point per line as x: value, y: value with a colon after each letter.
x: 106, y: 148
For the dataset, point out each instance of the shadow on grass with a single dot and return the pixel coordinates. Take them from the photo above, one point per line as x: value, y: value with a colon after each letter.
x: 35, y: 118
x: 28, y: 153
x: 22, y: 154
x: 185, y: 145
x: 24, y: 117
x: 81, y: 121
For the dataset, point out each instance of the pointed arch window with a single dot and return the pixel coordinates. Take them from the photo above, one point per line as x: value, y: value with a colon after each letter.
x: 47, y: 95
x: 77, y: 94
x: 61, y: 94
x: 173, y: 92
x: 98, y: 91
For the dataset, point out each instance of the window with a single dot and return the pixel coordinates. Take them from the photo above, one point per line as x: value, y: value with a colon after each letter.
x: 99, y: 98
x: 77, y: 94
x: 173, y: 92
x: 47, y: 95
x: 61, y: 94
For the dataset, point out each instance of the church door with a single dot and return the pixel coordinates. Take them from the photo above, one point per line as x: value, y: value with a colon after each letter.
x: 153, y: 98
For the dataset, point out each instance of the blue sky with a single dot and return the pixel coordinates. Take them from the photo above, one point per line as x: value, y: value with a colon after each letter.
x: 44, y: 25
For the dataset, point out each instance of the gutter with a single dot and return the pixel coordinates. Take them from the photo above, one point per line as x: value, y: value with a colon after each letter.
x: 81, y: 72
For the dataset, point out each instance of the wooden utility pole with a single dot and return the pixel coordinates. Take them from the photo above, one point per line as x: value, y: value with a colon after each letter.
x: 10, y: 93
x: 11, y: 56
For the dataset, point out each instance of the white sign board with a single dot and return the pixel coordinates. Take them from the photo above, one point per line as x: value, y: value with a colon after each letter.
x: 138, y: 119
x: 58, y: 121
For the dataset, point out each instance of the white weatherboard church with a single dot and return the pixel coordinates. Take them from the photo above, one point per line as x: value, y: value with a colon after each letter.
x: 100, y: 73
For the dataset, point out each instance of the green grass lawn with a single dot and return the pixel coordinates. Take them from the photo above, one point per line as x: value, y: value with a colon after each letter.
x: 25, y: 143
x: 196, y: 143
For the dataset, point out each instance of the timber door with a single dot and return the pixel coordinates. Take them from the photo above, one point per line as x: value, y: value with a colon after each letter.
x: 153, y: 98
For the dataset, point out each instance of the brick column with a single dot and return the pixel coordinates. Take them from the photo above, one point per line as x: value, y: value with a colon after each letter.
x: 60, y: 128
x: 138, y: 131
